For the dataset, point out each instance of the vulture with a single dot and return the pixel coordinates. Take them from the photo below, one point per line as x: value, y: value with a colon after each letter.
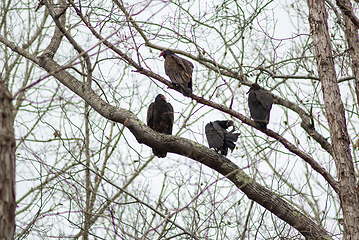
x: 179, y: 70
x: 160, y: 119
x: 219, y: 138
x: 260, y: 103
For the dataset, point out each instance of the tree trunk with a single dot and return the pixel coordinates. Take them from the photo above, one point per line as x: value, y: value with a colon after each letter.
x: 7, y: 165
x: 351, y: 35
x: 336, y: 119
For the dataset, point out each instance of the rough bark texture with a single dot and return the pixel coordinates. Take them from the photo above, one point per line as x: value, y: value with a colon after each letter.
x: 335, y: 113
x: 200, y: 153
x: 351, y: 35
x: 7, y: 165
x: 185, y: 147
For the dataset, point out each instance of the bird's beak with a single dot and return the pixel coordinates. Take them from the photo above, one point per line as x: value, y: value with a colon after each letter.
x: 160, y: 54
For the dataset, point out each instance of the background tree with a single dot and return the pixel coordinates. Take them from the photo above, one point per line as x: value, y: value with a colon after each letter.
x: 82, y: 75
x: 7, y: 163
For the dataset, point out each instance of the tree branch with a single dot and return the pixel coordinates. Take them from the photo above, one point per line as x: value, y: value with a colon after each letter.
x: 59, y: 20
x: 348, y: 11
x: 214, y: 66
x: 193, y: 150
x: 292, y: 148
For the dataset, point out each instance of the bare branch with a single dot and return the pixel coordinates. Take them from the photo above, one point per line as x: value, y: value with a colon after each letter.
x: 193, y: 150
x: 343, y: 5
x: 59, y: 19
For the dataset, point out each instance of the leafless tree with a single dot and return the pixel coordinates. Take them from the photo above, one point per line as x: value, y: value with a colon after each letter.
x: 7, y: 163
x: 82, y: 75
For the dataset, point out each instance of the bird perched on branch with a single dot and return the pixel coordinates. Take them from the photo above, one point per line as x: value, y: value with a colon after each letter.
x: 179, y: 70
x: 160, y: 118
x: 219, y: 138
x: 260, y: 103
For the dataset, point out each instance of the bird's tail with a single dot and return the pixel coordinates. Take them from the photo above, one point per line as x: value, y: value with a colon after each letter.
x: 186, y: 91
x: 229, y: 144
x: 262, y: 124
x: 159, y: 153
x: 232, y: 136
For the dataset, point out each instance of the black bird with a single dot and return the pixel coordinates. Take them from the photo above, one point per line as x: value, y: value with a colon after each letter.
x: 160, y: 118
x: 219, y: 138
x: 260, y: 103
x: 179, y: 71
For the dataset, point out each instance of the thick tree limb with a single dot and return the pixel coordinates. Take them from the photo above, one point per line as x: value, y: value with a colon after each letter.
x: 59, y: 20
x: 286, y: 143
x: 190, y: 149
x: 57, y: 37
x: 316, y: 166
x: 193, y: 150
x: 229, y: 72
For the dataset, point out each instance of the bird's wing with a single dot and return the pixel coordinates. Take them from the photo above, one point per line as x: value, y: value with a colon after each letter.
x: 257, y: 110
x: 229, y: 144
x: 219, y: 129
x: 170, y: 115
x: 214, y: 139
x: 180, y: 69
x: 232, y: 136
x: 180, y: 72
x: 187, y: 65
x: 150, y: 115
x: 175, y: 71
x: 223, y: 123
x: 265, y: 99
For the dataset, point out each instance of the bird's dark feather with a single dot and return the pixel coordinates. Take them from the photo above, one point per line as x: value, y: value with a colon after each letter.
x: 185, y: 64
x: 230, y: 145
x: 219, y: 138
x: 214, y: 138
x: 260, y: 103
x: 232, y: 137
x: 179, y: 70
x: 160, y: 118
x: 265, y: 99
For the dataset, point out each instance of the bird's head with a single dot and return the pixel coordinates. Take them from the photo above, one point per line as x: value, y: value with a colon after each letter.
x: 254, y: 87
x: 160, y: 97
x: 229, y: 123
x: 166, y: 52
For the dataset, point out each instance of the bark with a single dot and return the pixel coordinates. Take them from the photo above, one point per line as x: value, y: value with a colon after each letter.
x: 222, y: 108
x: 185, y: 147
x: 216, y: 67
x: 55, y: 42
x: 336, y: 118
x: 351, y: 35
x: 7, y: 165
